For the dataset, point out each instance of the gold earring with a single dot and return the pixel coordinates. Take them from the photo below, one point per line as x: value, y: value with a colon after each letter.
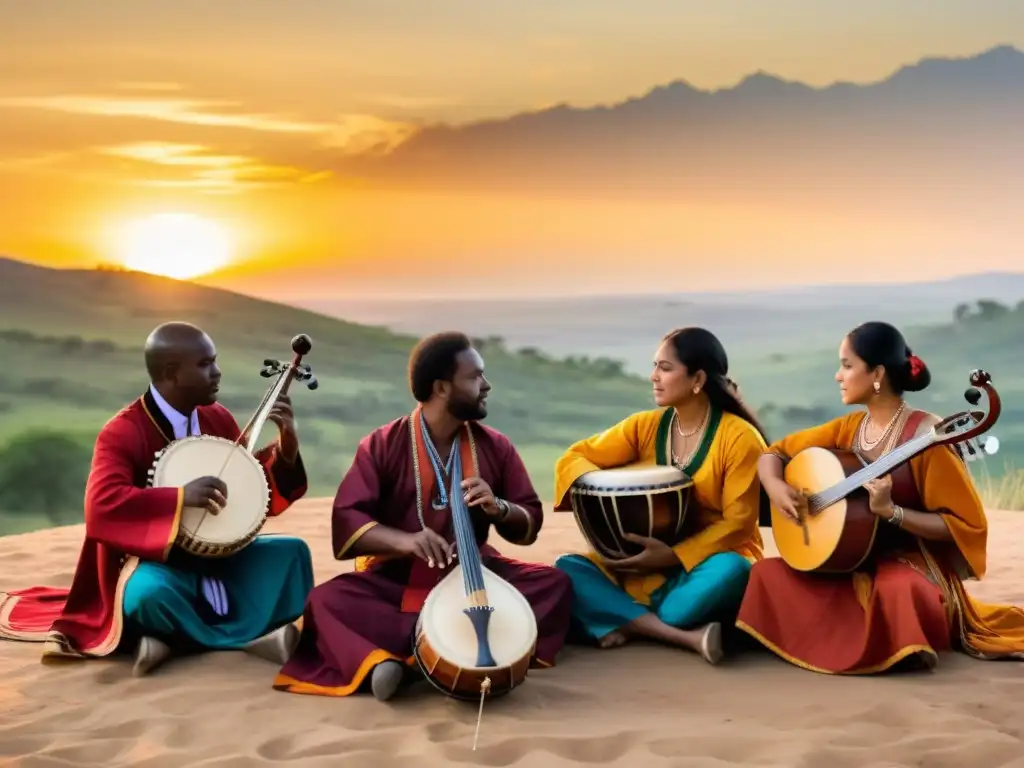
x: 878, y: 387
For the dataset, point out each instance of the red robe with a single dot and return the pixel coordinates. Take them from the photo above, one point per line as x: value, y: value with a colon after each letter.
x: 125, y: 522
x: 357, y: 620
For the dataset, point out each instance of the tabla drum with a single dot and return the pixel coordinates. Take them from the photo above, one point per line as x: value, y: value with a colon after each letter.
x: 239, y: 522
x: 643, y: 499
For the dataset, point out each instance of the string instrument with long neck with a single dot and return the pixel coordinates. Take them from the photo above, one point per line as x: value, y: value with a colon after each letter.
x: 477, y: 633
x: 236, y: 525
x: 838, y: 530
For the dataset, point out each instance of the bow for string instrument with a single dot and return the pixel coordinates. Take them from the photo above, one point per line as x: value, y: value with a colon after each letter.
x: 837, y: 531
x: 476, y: 633
x: 182, y: 461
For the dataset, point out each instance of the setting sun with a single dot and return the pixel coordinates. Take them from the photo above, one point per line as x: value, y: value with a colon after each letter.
x: 178, y: 245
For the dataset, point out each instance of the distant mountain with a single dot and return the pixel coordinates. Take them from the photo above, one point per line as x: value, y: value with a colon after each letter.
x: 941, y: 120
x: 750, y: 323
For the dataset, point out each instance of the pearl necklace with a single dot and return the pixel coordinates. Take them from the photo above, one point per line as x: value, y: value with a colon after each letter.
x: 884, y: 433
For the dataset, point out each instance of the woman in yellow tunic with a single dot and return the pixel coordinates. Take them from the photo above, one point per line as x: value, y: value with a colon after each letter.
x: 677, y: 595
x: 911, y: 602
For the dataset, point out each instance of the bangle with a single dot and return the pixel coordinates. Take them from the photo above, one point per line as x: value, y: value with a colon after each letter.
x: 897, y: 516
x: 505, y: 508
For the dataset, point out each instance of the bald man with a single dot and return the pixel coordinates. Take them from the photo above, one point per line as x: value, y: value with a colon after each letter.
x: 132, y: 588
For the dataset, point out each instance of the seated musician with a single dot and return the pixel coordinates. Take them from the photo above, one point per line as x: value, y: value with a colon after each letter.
x: 392, y: 515
x: 132, y: 585
x: 678, y: 595
x: 908, y: 602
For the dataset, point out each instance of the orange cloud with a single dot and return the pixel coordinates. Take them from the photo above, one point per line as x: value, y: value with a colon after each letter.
x: 213, y: 173
x: 352, y: 134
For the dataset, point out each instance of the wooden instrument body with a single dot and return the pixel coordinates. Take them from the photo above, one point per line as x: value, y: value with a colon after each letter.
x: 236, y: 525
x: 838, y: 531
x: 841, y: 536
x: 645, y: 500
x: 446, y: 646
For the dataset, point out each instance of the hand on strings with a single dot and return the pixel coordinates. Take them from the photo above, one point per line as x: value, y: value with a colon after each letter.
x: 657, y: 556
x: 430, y: 546
x: 880, y: 496
x: 282, y: 415
x: 787, y: 499
x: 208, y: 493
x: 478, y: 493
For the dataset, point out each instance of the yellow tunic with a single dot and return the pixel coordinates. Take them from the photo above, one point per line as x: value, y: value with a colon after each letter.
x: 725, y: 485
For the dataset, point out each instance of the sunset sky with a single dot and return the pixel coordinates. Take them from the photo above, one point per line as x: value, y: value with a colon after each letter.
x: 240, y: 114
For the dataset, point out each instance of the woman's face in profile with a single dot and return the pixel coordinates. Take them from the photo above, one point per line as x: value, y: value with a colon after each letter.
x: 672, y: 383
x: 856, y: 381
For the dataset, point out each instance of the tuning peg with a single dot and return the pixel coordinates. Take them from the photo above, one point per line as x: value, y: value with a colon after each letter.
x: 972, y: 395
x: 311, y: 382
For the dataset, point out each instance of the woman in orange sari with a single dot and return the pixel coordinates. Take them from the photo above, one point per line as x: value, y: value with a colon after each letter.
x: 910, y: 603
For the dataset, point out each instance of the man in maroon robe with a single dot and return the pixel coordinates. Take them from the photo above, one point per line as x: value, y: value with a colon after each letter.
x: 131, y: 585
x: 392, y: 514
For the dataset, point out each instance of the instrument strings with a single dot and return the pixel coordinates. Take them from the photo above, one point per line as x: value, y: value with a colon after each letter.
x: 238, y: 440
x: 465, y: 539
x: 472, y: 574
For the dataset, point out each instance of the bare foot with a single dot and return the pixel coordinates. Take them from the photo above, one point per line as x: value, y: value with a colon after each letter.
x: 613, y: 639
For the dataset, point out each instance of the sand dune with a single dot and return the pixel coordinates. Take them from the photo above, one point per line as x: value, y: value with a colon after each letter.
x: 641, y: 706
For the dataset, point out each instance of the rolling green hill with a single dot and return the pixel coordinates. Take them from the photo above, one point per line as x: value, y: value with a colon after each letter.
x: 70, y: 343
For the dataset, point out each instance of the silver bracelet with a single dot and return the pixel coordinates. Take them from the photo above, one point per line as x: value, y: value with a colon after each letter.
x: 505, y: 508
x: 897, y: 516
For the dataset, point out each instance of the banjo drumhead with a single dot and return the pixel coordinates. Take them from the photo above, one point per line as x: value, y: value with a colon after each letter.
x: 634, y: 478
x: 512, y: 630
x: 248, y: 493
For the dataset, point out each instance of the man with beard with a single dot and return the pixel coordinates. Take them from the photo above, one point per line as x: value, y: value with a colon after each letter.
x: 132, y: 587
x: 392, y: 514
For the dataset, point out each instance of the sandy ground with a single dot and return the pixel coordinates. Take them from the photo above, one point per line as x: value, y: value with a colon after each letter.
x: 634, y: 706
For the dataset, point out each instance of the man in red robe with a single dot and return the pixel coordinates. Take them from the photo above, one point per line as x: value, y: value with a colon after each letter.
x: 132, y: 587
x: 392, y: 514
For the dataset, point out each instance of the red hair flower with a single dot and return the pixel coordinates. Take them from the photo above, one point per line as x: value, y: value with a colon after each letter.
x: 916, y: 365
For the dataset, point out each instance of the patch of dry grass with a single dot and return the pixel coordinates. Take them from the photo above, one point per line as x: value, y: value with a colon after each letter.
x: 1006, y: 492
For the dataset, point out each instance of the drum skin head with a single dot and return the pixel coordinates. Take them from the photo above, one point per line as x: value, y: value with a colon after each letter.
x: 237, y: 524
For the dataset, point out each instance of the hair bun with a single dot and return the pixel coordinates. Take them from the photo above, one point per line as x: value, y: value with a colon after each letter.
x: 918, y: 375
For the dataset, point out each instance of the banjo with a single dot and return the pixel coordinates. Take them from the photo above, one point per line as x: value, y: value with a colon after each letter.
x: 184, y: 460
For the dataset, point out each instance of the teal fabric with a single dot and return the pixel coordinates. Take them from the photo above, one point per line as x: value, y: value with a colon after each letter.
x: 712, y: 591
x: 266, y: 583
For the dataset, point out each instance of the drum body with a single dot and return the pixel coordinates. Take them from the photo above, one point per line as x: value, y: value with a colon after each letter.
x: 645, y: 500
x: 237, y: 524
x: 445, y: 642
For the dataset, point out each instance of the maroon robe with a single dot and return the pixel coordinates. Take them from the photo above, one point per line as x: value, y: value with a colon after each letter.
x: 359, y: 619
x: 125, y: 522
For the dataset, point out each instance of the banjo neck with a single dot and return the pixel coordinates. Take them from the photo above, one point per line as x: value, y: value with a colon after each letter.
x: 286, y: 373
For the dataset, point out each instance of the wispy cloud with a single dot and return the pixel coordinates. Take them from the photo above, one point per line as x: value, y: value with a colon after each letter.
x: 367, y: 134
x: 209, y: 171
x: 189, y: 111
x: 350, y: 134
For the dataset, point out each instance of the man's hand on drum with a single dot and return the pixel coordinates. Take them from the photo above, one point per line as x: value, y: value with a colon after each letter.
x: 657, y: 556
x: 208, y: 493
x: 430, y: 546
x: 282, y: 415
